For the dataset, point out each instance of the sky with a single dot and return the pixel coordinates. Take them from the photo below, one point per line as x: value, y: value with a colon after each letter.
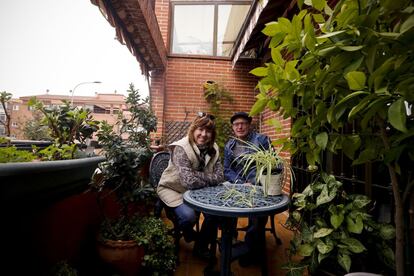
x: 56, y: 44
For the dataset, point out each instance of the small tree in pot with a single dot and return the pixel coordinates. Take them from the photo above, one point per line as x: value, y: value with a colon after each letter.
x: 348, y: 65
x: 127, y: 152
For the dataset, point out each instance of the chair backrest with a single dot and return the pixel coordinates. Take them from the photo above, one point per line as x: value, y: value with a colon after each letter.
x: 159, y: 163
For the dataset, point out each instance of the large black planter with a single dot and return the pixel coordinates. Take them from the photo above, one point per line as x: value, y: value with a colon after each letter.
x: 46, y: 181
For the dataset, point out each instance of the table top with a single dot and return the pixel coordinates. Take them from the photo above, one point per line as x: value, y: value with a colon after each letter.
x: 235, y: 200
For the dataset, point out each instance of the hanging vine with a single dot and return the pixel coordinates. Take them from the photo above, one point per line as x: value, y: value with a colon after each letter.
x: 216, y: 94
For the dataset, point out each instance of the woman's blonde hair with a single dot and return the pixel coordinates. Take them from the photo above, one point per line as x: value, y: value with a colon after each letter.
x: 203, y: 120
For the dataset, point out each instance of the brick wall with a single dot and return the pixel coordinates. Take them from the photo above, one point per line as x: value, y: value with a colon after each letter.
x: 177, y: 93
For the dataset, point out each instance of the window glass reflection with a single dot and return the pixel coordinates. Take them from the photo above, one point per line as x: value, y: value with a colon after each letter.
x: 230, y: 20
x: 193, y: 29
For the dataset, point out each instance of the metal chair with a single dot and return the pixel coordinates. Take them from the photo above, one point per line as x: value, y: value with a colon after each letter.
x: 158, y: 164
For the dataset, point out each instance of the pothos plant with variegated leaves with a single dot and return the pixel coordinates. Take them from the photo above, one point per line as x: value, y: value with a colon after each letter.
x: 335, y: 230
x: 348, y: 64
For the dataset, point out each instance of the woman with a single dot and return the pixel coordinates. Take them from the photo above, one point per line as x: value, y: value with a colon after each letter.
x: 194, y: 164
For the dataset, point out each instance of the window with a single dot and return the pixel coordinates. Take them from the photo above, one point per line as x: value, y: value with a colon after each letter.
x: 15, y: 107
x: 206, y: 29
x: 14, y: 124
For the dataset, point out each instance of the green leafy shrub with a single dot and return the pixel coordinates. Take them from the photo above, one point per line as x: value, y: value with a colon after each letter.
x: 336, y: 230
x: 69, y: 126
x: 351, y: 65
x: 216, y: 94
x: 12, y: 154
x: 160, y: 258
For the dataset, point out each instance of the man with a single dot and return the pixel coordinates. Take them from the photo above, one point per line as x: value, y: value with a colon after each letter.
x: 233, y: 172
x: 233, y: 169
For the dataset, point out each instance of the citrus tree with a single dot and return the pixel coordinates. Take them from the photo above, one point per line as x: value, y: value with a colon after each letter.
x: 352, y: 63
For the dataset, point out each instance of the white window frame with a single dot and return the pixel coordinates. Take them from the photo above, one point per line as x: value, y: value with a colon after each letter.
x: 215, y: 22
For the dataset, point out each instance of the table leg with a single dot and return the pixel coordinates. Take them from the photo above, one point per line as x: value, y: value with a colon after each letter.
x: 226, y: 243
x: 262, y: 242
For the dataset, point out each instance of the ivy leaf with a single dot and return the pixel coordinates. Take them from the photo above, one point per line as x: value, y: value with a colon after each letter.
x: 360, y: 201
x: 305, y: 250
x: 324, y: 248
x: 354, y: 245
x: 356, y: 80
x: 354, y: 225
x: 323, y: 232
x: 322, y: 140
x: 387, y: 231
x: 397, y: 116
x: 327, y: 195
x: 336, y: 220
x: 345, y: 261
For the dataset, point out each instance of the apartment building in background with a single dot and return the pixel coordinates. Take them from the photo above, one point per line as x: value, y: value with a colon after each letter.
x: 103, y: 107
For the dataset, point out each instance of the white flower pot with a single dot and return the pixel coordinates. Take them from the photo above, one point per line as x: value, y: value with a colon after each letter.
x: 274, y: 186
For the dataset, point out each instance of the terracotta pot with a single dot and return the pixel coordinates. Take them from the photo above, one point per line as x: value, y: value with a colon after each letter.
x: 124, y: 256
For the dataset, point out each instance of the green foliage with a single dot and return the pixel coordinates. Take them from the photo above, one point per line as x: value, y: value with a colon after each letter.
x: 67, y: 126
x: 55, y: 152
x: 332, y: 227
x: 34, y: 129
x: 5, y: 97
x: 12, y: 154
x: 150, y: 232
x: 350, y: 66
x: 352, y: 63
x: 63, y: 268
x: 265, y: 161
x: 127, y: 152
x: 216, y: 94
x: 160, y: 258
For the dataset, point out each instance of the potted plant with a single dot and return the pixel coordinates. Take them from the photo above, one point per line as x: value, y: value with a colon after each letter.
x: 53, y: 177
x: 344, y: 76
x: 269, y: 167
x: 334, y: 232
x: 120, y: 177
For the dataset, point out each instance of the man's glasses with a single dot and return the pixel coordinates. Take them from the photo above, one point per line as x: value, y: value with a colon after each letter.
x: 203, y: 114
x: 241, y: 124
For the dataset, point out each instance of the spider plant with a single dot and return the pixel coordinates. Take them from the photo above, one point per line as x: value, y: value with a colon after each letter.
x: 267, y: 162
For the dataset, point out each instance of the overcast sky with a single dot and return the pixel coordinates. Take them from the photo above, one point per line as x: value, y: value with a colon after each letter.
x: 57, y: 44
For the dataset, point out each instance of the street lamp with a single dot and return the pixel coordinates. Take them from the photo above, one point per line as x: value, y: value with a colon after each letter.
x: 76, y: 86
